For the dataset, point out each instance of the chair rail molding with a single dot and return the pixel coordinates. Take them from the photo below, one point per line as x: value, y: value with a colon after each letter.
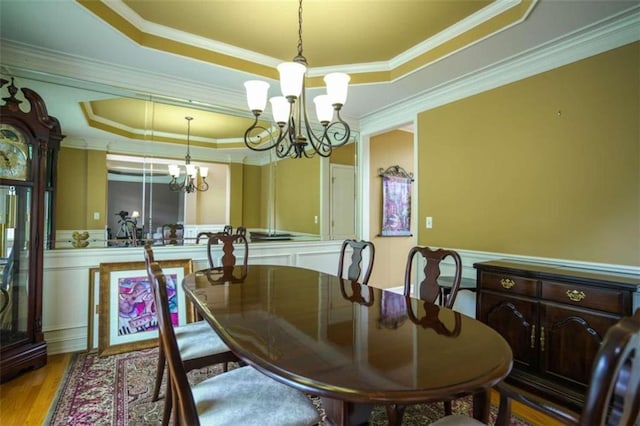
x: 66, y: 278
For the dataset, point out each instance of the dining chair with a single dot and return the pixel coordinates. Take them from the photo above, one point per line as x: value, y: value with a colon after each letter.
x: 613, y: 396
x: 173, y: 234
x: 430, y: 291
x: 241, y: 230
x: 228, y: 261
x: 229, y: 242
x: 428, y: 288
x: 354, y: 271
x: 198, y: 344
x: 203, y: 234
x: 242, y: 396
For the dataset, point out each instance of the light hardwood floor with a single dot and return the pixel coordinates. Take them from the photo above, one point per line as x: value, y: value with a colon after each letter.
x: 26, y: 399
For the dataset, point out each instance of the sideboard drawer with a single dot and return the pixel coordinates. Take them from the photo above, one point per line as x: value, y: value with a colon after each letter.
x: 614, y: 300
x: 509, y: 284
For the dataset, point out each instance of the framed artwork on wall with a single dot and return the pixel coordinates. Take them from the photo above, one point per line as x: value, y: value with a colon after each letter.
x: 396, y: 202
x: 127, y: 319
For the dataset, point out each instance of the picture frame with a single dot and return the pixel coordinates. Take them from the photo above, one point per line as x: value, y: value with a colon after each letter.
x: 93, y: 312
x: 396, y: 202
x: 127, y: 319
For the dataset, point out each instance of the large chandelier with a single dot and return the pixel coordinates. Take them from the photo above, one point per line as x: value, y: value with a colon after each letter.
x: 295, y: 137
x: 190, y: 183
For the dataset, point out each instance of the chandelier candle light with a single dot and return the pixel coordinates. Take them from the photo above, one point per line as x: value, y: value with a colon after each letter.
x: 290, y: 111
x: 190, y: 183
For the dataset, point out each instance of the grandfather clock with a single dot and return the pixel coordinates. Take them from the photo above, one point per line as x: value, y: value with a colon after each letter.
x: 29, y: 144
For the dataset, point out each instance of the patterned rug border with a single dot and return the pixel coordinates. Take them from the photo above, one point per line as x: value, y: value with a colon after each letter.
x: 103, y: 390
x: 62, y: 386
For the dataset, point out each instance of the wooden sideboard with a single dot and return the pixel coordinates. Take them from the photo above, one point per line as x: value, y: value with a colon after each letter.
x: 554, y: 318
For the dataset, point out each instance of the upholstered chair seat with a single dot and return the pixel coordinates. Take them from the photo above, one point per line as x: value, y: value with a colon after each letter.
x: 245, y: 396
x: 197, y: 340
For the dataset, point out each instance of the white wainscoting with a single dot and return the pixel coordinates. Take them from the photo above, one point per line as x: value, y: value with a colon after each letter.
x: 66, y: 277
x: 466, y: 300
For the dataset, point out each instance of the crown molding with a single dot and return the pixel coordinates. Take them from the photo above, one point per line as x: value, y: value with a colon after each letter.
x: 459, y: 28
x: 467, y: 24
x: 30, y: 58
x: 597, y: 38
x: 110, y: 78
x: 147, y: 27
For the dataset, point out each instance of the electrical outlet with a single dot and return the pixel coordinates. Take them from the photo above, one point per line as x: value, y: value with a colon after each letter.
x: 96, y: 215
x: 429, y: 222
x: 315, y: 219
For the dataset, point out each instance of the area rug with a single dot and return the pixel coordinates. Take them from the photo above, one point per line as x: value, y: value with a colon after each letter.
x: 116, y: 390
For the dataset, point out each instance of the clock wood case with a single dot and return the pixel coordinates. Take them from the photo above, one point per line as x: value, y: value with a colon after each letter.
x: 29, y: 144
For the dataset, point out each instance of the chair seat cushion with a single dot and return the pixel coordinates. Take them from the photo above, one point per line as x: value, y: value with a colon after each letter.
x: 197, y: 340
x: 457, y: 420
x: 245, y: 396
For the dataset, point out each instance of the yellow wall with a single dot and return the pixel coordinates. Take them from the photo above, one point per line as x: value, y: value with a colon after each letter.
x: 210, y: 206
x: 82, y: 189
x: 298, y: 194
x: 548, y: 166
x: 389, y: 149
x: 236, y: 176
x: 344, y: 155
x: 251, y: 196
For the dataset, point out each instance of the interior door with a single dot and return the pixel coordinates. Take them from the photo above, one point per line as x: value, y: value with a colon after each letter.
x: 343, y: 202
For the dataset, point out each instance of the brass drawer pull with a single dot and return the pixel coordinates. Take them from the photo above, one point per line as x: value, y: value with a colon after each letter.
x: 507, y: 283
x: 575, y: 295
x: 533, y: 336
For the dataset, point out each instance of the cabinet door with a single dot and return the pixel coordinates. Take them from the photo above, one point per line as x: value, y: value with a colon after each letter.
x: 569, y: 340
x: 515, y: 319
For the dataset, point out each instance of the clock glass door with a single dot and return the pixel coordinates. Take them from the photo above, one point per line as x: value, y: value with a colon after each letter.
x: 15, y: 208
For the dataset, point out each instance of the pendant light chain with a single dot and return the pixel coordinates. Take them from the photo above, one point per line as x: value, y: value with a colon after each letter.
x: 300, y: 30
x: 188, y: 157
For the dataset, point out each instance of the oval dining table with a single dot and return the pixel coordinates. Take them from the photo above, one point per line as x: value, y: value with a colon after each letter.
x: 353, y: 345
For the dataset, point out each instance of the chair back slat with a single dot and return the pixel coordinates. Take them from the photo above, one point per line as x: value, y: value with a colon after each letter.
x: 428, y: 288
x: 354, y: 270
x: 229, y: 260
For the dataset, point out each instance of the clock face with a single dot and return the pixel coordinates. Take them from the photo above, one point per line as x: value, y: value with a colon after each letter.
x: 14, y: 154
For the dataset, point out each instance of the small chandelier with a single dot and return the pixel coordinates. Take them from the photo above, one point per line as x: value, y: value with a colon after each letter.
x: 190, y: 182
x: 290, y: 111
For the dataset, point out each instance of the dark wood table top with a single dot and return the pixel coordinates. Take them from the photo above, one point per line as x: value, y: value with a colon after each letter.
x: 346, y: 341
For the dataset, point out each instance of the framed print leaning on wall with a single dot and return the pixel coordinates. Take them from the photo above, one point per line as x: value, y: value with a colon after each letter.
x: 127, y: 310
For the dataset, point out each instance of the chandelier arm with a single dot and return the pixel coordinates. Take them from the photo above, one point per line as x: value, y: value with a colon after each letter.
x: 256, y: 142
x: 286, y: 144
x: 174, y: 185
x: 336, y: 134
x: 320, y: 148
x: 203, y: 186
